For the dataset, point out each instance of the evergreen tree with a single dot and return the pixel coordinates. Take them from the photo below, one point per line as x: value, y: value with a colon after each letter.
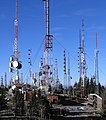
x: 34, y: 104
x: 87, y: 86
x: 18, y: 101
x: 101, y: 89
x: 3, y: 101
x: 92, y: 86
x: 39, y: 105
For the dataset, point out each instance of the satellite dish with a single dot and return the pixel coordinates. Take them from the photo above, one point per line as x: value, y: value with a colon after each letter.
x: 13, y: 87
x: 10, y: 70
x: 19, y: 65
x: 11, y: 58
x: 16, y: 77
x: 15, y: 64
x: 10, y: 64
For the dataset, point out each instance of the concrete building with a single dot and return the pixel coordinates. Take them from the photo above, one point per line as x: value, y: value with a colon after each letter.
x: 96, y: 101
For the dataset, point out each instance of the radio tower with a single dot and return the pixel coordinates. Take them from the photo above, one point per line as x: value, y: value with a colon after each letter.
x: 5, y: 77
x: 69, y: 76
x: 2, y: 85
x: 30, y: 63
x: 56, y: 75
x: 16, y: 53
x: 82, y: 61
x: 96, y: 65
x: 15, y: 64
x: 64, y: 70
x: 48, y: 45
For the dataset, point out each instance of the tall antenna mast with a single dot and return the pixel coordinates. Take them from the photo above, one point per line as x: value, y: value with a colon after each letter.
x: 16, y: 33
x: 82, y: 61
x: 96, y: 65
x: 69, y: 77
x: 56, y: 75
x: 41, y: 71
x: 5, y: 77
x: 79, y: 60
x: 15, y: 64
x: 64, y: 70
x: 48, y: 44
x: 2, y: 85
x: 30, y: 63
x: 16, y: 53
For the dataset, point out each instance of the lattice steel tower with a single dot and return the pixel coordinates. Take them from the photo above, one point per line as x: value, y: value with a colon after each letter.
x: 56, y: 75
x: 64, y: 69
x: 15, y: 64
x: 69, y: 76
x: 96, y: 65
x: 82, y: 61
x: 48, y: 66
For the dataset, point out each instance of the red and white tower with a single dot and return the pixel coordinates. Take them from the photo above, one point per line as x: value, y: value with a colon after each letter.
x: 48, y: 44
x: 16, y: 53
x: 15, y: 64
x: 82, y: 61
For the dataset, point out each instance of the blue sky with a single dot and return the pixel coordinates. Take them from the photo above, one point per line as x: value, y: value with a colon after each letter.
x: 65, y: 18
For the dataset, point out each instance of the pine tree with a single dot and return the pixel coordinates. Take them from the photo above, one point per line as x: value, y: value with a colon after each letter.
x: 39, y: 105
x: 18, y: 101
x: 3, y: 101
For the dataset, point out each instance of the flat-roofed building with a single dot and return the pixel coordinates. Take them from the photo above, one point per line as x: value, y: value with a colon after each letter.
x: 95, y: 100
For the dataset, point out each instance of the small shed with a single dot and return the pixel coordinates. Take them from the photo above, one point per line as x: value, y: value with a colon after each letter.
x: 52, y: 98
x: 95, y: 100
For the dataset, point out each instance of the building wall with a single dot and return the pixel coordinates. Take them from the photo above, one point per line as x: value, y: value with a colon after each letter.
x: 52, y: 98
x: 95, y: 100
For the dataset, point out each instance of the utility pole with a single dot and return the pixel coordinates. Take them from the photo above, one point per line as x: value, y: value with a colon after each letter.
x: 82, y: 61
x: 96, y: 65
x: 48, y: 66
